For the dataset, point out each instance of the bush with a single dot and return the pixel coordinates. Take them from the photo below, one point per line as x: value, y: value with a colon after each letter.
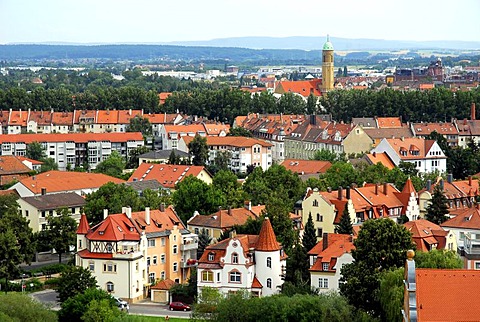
x: 22, y: 308
x: 48, y: 269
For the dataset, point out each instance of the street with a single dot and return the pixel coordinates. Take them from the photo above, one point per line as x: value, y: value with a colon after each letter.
x: 145, y: 307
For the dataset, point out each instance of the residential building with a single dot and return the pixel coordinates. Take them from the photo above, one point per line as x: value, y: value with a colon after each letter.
x: 73, y: 148
x: 448, y: 130
x: 428, y: 236
x: 170, y: 135
x: 36, y: 209
x: 33, y: 165
x: 115, y: 253
x: 168, y: 175
x: 426, y: 155
x: 222, y: 220
x: 306, y: 168
x: 82, y: 183
x: 382, y: 158
x: 468, y: 130
x: 243, y: 151
x: 326, y: 259
x: 12, y: 169
x: 304, y: 88
x: 440, y: 294
x: 255, y: 263
x: 161, y: 156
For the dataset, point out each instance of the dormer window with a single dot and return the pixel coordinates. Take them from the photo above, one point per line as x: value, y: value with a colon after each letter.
x: 325, y: 266
x: 211, y: 257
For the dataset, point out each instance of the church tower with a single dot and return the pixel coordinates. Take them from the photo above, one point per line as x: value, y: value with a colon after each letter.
x: 327, y: 66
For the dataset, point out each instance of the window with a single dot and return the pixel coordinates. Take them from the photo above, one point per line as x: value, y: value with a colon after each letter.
x: 80, y: 244
x: 174, y: 238
x: 110, y: 268
x: 207, y: 276
x: 162, y: 258
x: 269, y: 282
x: 110, y: 287
x: 315, y: 203
x: 477, y: 265
x: 234, y: 258
x: 162, y: 275
x: 175, y: 267
x: 211, y: 256
x: 319, y: 217
x: 26, y: 213
x: 151, y: 277
x: 269, y: 262
x: 319, y: 232
x: 235, y: 277
x: 148, y: 261
x: 163, y: 241
x: 151, y: 243
x: 91, y: 266
x: 196, y: 231
x: 154, y: 260
x: 218, y: 277
x: 323, y: 283
x: 175, y: 249
x: 325, y: 266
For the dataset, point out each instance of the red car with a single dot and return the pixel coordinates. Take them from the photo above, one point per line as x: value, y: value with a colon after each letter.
x: 179, y: 306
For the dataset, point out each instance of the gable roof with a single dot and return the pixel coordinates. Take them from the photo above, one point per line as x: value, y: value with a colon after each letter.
x: 160, y: 221
x: 469, y: 219
x: 408, y: 145
x: 124, y: 116
x: 389, y: 122
x: 423, y: 129
x: 304, y: 88
x: 115, y: 227
x: 306, y: 166
x: 107, y: 117
x: 381, y: 157
x: 55, y: 201
x: 57, y: 181
x: 163, y: 285
x: 216, y: 128
x: 223, y: 219
x: 447, y: 294
x: 236, y: 141
x: 10, y: 164
x: 267, y: 241
x: 337, y: 245
x: 18, y: 118
x: 167, y: 175
x: 62, y: 118
x: 41, y: 117
x: 426, y: 233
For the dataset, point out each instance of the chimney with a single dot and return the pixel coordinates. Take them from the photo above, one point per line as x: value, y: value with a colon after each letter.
x: 376, y: 189
x: 105, y: 213
x: 147, y: 215
x: 229, y: 210
x: 347, y: 193
x: 441, y: 184
x: 130, y: 112
x: 325, y: 241
x: 470, y: 181
x: 429, y: 185
x: 449, y: 178
x: 44, y: 191
x: 162, y: 207
x: 385, y: 188
x: 329, y: 189
x: 313, y: 119
x: 248, y: 205
x: 128, y: 212
x: 340, y: 193
x: 472, y: 111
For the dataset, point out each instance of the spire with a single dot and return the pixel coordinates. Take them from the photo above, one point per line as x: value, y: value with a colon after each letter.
x: 267, y: 241
x: 83, y: 226
x: 408, y: 187
x: 328, y: 37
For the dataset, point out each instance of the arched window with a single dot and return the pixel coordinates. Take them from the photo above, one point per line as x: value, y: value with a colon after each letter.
x: 175, y: 249
x: 234, y: 258
x: 269, y: 262
x: 269, y: 282
x: 235, y: 277
x: 110, y: 287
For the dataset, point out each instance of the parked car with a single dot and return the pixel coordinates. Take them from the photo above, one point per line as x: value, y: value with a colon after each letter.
x: 122, y: 304
x: 179, y: 306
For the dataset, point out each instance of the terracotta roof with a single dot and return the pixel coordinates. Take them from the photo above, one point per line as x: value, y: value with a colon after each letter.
x: 420, y: 145
x: 426, y: 233
x: 83, y: 226
x: 389, y: 122
x: 184, y: 129
x: 161, y: 118
x: 384, y: 196
x: 124, y: 116
x: 10, y: 164
x: 306, y: 166
x: 223, y: 219
x: 115, y: 227
x: 426, y: 86
x: 256, y: 283
x: 383, y: 133
x: 447, y: 295
x: 304, y: 88
x: 107, y: 117
x: 469, y: 219
x: 215, y: 129
x: 166, y: 174
x: 219, y: 250
x: 163, y: 285
x: 469, y: 187
x: 56, y: 181
x: 34, y: 162
x: 267, y: 241
x: 337, y: 245
x: 18, y: 118
x: 62, y: 118
x: 55, y: 201
x: 236, y: 141
x: 85, y: 253
x: 74, y: 137
x: 424, y: 129
x: 408, y: 187
x: 159, y: 220
x: 41, y: 117
x: 4, y: 115
x: 382, y: 157
x: 84, y: 114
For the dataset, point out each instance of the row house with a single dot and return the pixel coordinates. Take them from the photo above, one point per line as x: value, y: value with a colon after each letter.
x: 36, y: 209
x: 460, y: 194
x: 168, y: 175
x: 73, y: 149
x: 448, y: 130
x: 326, y: 259
x: 170, y: 135
x: 255, y: 263
x: 272, y: 128
x: 243, y: 151
x: 426, y: 155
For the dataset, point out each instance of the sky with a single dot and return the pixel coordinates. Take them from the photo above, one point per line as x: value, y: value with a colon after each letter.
x: 159, y: 21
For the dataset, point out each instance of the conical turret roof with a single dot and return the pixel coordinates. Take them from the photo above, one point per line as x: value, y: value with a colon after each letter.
x: 267, y: 241
x: 83, y: 226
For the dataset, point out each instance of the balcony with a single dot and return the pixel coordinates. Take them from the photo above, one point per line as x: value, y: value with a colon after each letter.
x: 188, y: 246
x: 128, y: 255
x: 188, y: 263
x: 471, y: 244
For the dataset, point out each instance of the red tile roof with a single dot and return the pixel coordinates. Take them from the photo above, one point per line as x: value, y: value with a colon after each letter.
x: 18, y: 118
x: 215, y: 129
x: 306, y: 166
x: 161, y: 118
x: 159, y: 220
x: 83, y: 226
x: 41, y: 117
x: 115, y: 227
x: 411, y: 144
x: 267, y: 241
x: 304, y: 88
x: 163, y: 285
x: 124, y: 116
x: 185, y: 129
x: 56, y: 181
x: 469, y: 219
x: 74, y: 137
x: 389, y: 122
x: 219, y: 249
x: 224, y: 219
x: 337, y: 245
x: 424, y: 129
x: 166, y: 174
x: 10, y: 164
x: 426, y: 233
x: 256, y: 283
x: 447, y: 295
x: 62, y: 118
x: 382, y: 158
x: 85, y: 253
x: 236, y: 141
x: 107, y: 117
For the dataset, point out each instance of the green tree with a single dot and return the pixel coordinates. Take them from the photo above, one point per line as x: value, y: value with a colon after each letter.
x: 437, y: 210
x: 345, y: 224
x: 17, y: 307
x: 101, y: 311
x: 381, y: 245
x: 140, y: 124
x: 345, y: 71
x: 173, y: 158
x: 438, y: 258
x: 204, y: 240
x: 73, y: 308
x: 35, y: 151
x: 325, y: 155
x: 297, y: 272
x: 199, y: 150
x: 48, y: 165
x: 112, y: 166
x: 134, y: 154
x: 278, y: 210
x: 74, y: 280
x: 222, y: 160
x: 227, y: 182
x: 309, y: 238
x: 16, y: 238
x: 62, y: 232
x: 207, y: 302
x: 239, y: 131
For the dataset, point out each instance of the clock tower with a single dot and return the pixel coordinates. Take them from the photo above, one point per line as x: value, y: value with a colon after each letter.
x: 327, y: 66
